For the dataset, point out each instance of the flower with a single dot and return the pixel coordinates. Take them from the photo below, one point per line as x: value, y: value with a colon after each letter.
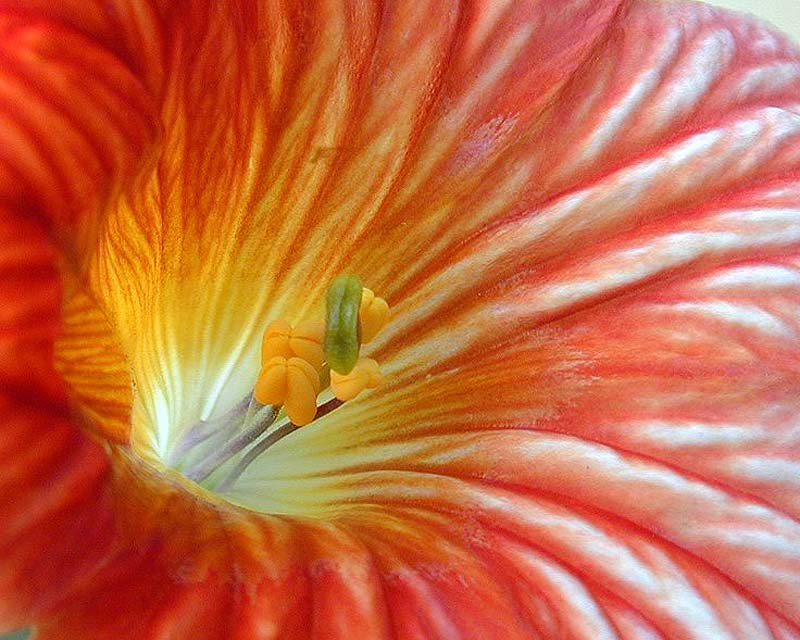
x: 584, y: 215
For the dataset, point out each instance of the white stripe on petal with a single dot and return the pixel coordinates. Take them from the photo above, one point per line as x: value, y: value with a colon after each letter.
x: 706, y: 61
x: 678, y: 435
x: 746, y: 316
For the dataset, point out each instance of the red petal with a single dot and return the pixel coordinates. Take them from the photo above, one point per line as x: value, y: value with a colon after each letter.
x: 301, y: 139
x: 74, y: 120
x: 74, y: 117
x: 53, y: 524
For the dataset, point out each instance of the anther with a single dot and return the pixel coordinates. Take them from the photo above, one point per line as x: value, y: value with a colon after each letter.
x: 306, y: 342
x: 291, y: 382
x: 372, y: 316
x: 303, y: 341
x: 365, y: 375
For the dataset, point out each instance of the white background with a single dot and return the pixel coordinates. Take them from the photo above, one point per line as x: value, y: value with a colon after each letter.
x: 784, y: 14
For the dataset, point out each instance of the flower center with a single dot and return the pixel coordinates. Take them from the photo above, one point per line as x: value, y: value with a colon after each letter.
x: 307, y: 371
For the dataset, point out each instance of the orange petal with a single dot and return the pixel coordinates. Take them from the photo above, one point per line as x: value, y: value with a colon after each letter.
x: 91, y: 361
x: 597, y: 384
x: 209, y: 245
x: 75, y: 121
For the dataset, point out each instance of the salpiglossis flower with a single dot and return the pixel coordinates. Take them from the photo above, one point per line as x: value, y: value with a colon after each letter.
x: 585, y: 217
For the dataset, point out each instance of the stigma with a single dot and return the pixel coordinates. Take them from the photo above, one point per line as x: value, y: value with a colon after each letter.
x: 308, y: 369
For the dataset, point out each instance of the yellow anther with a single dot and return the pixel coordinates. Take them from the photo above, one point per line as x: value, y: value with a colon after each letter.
x: 304, y: 341
x: 365, y: 375
x: 373, y: 315
x: 276, y: 341
x: 293, y: 383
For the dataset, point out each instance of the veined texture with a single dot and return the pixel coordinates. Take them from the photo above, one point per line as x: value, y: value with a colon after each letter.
x: 586, y: 218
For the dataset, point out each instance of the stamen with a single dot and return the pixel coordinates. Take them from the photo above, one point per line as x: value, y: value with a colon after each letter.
x: 296, y: 363
x: 365, y: 375
x: 372, y: 316
x: 201, y: 431
x: 304, y: 341
x: 276, y: 340
x: 330, y: 405
x: 293, y: 383
x: 264, y: 417
x: 283, y: 430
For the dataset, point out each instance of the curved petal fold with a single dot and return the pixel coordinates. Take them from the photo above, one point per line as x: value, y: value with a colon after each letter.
x: 75, y: 121
x: 76, y: 118
x: 54, y: 525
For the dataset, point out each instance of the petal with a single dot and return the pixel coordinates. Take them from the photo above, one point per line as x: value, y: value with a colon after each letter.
x: 736, y: 129
x: 264, y: 186
x: 75, y: 117
x: 142, y: 576
x: 89, y: 358
x: 74, y: 121
x: 54, y: 524
x: 175, y: 572
x: 470, y: 498
x: 594, y: 397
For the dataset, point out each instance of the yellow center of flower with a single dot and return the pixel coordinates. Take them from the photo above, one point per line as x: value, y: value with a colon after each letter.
x: 300, y: 364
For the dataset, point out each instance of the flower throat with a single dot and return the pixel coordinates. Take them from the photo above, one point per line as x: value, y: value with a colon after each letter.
x: 307, y: 371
